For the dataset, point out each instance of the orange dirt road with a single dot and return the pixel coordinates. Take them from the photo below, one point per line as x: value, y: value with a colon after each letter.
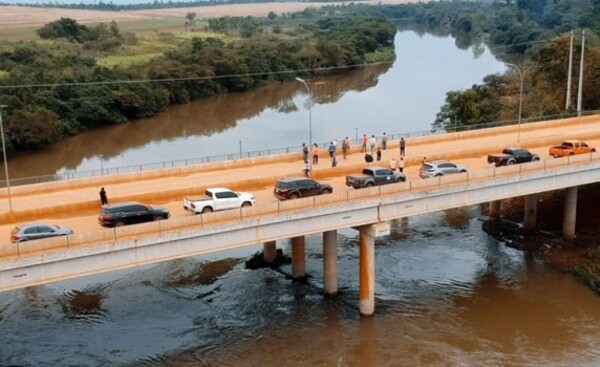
x: 76, y: 203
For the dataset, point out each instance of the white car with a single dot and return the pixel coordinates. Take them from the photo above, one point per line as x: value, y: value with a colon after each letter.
x: 218, y: 198
x: 440, y: 168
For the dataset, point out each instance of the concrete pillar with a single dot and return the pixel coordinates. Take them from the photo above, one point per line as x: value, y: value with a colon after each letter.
x: 494, y: 211
x: 269, y: 251
x: 570, y: 213
x: 330, y: 265
x: 530, y: 212
x: 366, y: 302
x: 298, y: 266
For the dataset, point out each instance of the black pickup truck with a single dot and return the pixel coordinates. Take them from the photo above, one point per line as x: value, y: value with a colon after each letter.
x: 372, y: 176
x: 511, y: 156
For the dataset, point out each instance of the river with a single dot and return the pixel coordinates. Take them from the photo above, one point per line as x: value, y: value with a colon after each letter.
x: 447, y: 293
x: 395, y: 98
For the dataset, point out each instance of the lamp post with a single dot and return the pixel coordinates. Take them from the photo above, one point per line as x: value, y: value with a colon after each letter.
x: 520, y: 99
x: 308, y: 90
x: 10, y: 208
x: 101, y: 164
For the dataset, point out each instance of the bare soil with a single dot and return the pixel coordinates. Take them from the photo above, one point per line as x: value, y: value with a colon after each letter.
x: 17, y: 16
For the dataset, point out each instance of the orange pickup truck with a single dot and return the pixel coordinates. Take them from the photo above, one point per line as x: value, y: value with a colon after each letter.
x: 570, y: 148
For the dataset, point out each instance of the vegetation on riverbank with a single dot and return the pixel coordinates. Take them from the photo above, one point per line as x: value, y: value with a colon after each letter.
x: 81, y: 77
x: 580, y: 257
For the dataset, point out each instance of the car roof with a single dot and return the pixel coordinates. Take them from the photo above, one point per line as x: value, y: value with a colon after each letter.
x: 290, y: 179
x: 217, y: 189
x: 121, y: 205
x: 375, y: 167
x: 34, y: 224
x: 439, y: 161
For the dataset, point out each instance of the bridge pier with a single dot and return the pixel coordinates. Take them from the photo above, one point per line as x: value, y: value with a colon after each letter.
x: 570, y: 213
x: 366, y: 291
x: 494, y: 209
x: 269, y: 251
x: 298, y: 255
x: 530, y: 221
x: 330, y: 265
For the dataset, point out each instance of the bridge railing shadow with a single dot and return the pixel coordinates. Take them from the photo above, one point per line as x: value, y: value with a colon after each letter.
x: 193, y: 222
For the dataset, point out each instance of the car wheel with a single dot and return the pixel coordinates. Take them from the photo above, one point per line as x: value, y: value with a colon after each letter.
x: 571, y: 153
x: 535, y: 159
x: 593, y: 150
x: 370, y: 184
x: 207, y: 209
x: 294, y: 196
x: 119, y: 223
x: 326, y: 191
x: 438, y: 175
x: 246, y: 204
x: 158, y: 217
x: 462, y: 171
x: 510, y: 163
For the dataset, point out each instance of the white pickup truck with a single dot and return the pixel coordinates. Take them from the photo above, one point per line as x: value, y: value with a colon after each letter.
x: 218, y: 198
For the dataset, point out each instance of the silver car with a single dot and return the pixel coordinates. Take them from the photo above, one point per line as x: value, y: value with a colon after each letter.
x: 37, y: 230
x: 440, y: 168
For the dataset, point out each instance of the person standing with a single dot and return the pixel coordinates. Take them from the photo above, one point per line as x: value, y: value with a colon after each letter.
x: 373, y: 141
x: 103, y: 197
x: 424, y: 160
x: 334, y: 161
x: 307, y: 169
x: 365, y: 140
x: 315, y: 153
x: 347, y: 144
x: 384, y: 141
x: 331, y: 150
x: 305, y: 152
x: 401, y: 164
x: 402, y: 147
x: 378, y: 154
x: 393, y: 164
x: 344, y: 148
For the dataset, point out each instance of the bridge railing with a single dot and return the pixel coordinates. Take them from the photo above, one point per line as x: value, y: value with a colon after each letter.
x: 70, y: 175
x: 192, y: 222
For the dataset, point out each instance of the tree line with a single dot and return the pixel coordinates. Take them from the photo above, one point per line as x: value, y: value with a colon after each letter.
x: 57, y: 90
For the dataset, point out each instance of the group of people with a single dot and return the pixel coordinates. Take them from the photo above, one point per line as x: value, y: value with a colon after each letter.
x: 346, y: 149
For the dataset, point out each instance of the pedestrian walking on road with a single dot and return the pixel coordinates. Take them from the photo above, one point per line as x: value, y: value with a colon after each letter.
x: 401, y: 164
x: 331, y: 150
x: 315, y: 153
x: 424, y: 160
x: 307, y: 169
x: 344, y: 148
x: 103, y: 198
x: 393, y: 164
x: 402, y: 147
x: 384, y: 141
x: 372, y: 142
x: 334, y: 161
x: 347, y: 145
x: 378, y: 154
x: 365, y: 140
x: 305, y: 152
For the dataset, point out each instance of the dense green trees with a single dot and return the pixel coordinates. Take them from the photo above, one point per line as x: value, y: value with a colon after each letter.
x: 58, y: 89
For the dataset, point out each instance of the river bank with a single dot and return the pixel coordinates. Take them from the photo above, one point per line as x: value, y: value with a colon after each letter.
x: 580, y: 257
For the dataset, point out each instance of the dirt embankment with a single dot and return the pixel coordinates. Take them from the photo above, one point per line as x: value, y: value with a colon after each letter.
x: 581, y: 256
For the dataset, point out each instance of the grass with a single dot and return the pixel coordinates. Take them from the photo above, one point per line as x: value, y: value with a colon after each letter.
x: 125, y: 60
x: 3, y: 74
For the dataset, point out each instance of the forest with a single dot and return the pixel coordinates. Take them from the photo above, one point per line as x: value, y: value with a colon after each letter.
x: 68, y: 84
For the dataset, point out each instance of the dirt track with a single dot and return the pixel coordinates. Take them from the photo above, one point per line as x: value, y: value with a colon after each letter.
x: 16, y: 16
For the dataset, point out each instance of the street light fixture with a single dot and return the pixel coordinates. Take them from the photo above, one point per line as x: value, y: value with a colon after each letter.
x: 101, y: 164
x: 10, y: 208
x: 308, y: 90
x: 520, y: 98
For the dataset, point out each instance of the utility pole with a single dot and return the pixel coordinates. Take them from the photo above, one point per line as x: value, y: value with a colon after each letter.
x: 580, y: 89
x: 568, y: 98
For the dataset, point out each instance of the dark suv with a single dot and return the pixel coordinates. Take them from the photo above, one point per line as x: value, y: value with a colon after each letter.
x: 297, y: 187
x: 116, y: 215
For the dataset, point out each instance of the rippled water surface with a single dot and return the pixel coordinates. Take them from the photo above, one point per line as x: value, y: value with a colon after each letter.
x: 447, y: 294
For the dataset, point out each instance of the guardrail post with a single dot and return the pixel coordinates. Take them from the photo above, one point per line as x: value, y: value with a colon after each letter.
x: 159, y: 229
x: 68, y: 241
x: 114, y: 234
x: 439, y: 181
x: 494, y: 171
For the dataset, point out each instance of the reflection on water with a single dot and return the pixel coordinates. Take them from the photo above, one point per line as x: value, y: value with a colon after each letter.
x: 400, y: 97
x: 447, y: 294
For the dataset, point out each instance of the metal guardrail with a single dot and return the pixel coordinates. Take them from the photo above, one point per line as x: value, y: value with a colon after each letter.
x: 71, y: 175
x: 192, y: 222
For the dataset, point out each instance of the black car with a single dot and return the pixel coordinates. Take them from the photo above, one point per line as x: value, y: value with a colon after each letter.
x: 297, y: 187
x: 115, y: 215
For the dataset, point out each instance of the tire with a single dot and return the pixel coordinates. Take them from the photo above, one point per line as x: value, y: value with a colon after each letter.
x: 462, y: 171
x: 535, y: 159
x: 294, y: 196
x: 370, y: 184
x: 438, y: 175
x: 246, y: 204
x: 207, y: 209
x: 325, y: 191
x: 119, y: 223
x: 158, y: 217
x: 401, y: 179
x: 571, y: 153
x: 510, y: 163
x: 593, y: 150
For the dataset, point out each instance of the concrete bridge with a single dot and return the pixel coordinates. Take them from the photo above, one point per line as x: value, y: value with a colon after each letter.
x: 369, y: 211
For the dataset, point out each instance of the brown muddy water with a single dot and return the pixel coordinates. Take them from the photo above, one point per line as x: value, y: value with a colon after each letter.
x: 447, y: 294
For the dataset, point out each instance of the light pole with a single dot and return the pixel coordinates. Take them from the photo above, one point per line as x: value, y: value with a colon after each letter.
x: 308, y: 90
x: 520, y: 99
x: 5, y: 160
x: 101, y: 164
